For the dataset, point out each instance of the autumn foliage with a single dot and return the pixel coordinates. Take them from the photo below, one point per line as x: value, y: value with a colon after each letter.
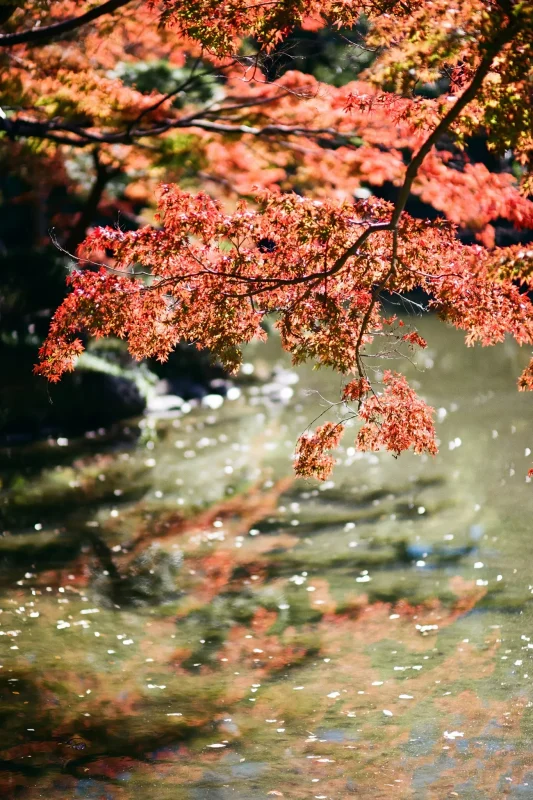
x: 272, y: 196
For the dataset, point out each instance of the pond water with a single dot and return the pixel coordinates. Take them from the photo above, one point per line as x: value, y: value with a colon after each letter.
x: 181, y: 618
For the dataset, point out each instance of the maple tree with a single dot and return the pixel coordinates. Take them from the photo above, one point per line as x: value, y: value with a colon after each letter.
x: 308, y: 183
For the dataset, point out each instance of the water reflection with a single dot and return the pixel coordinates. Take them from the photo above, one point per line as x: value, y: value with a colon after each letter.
x: 182, y: 619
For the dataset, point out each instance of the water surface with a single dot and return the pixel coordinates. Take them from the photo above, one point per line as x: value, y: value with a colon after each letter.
x: 181, y: 618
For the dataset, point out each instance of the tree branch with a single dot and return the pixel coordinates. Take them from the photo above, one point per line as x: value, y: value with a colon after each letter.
x: 266, y: 284
x: 375, y: 297
x: 468, y: 95
x: 76, y: 136
x: 45, y: 32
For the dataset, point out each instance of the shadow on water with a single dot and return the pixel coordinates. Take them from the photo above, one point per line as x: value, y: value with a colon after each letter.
x: 180, y: 618
x: 114, y: 735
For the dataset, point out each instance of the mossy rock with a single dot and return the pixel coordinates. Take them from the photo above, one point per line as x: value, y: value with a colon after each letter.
x: 86, y: 399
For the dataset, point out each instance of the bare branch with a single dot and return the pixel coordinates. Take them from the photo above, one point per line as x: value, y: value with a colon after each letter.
x: 77, y: 136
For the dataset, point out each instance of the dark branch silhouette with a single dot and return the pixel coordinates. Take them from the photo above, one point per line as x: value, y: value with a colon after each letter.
x: 45, y: 32
x: 78, y: 136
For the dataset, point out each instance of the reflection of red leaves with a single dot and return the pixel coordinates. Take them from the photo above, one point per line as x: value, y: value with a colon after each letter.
x: 112, y: 766
x: 264, y: 653
x: 468, y: 593
x: 49, y: 751
x: 217, y: 569
x: 241, y: 511
x: 263, y: 620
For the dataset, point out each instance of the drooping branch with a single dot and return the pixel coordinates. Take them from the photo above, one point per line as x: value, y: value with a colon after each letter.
x: 263, y: 284
x: 45, y: 32
x: 375, y: 298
